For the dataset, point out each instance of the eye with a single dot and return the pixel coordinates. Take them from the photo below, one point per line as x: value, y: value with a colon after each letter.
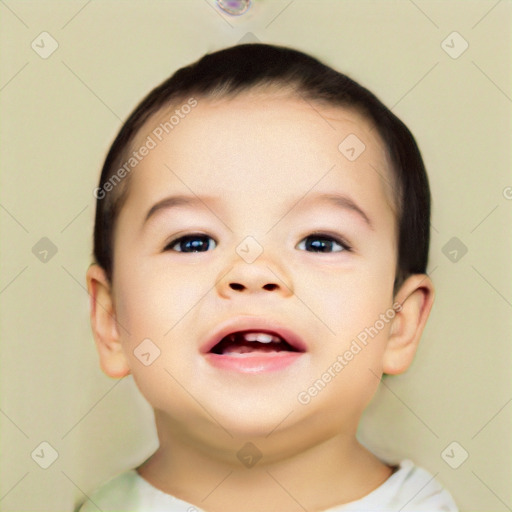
x: 191, y: 243
x: 319, y: 242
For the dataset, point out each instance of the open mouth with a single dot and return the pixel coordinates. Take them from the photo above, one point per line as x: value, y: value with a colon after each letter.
x: 253, y: 345
x: 243, y: 343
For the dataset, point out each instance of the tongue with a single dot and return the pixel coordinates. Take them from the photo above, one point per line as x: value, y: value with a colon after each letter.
x: 251, y: 346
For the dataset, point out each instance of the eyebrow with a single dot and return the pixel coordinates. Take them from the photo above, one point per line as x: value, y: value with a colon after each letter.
x: 178, y: 200
x: 343, y: 202
x: 338, y: 200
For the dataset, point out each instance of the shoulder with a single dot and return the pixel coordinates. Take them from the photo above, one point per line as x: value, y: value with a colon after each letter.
x: 410, y: 488
x: 118, y: 493
x: 415, y: 489
x: 419, y: 489
x: 129, y: 492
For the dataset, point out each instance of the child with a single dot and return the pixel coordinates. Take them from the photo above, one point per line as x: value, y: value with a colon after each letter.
x: 261, y: 243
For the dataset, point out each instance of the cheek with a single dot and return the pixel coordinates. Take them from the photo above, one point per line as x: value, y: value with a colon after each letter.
x: 353, y: 314
x: 152, y: 298
x: 150, y: 306
x: 343, y: 302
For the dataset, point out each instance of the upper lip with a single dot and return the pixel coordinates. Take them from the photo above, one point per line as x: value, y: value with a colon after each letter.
x: 254, y: 324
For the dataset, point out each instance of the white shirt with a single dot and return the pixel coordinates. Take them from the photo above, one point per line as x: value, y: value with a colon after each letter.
x: 408, y: 489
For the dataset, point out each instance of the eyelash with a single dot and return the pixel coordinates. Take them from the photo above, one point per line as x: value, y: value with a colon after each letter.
x: 346, y: 247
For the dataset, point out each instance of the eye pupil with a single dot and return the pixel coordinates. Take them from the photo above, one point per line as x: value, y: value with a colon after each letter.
x: 319, y: 244
x: 194, y: 243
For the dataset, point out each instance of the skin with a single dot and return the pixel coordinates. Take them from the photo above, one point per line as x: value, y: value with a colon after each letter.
x: 258, y: 153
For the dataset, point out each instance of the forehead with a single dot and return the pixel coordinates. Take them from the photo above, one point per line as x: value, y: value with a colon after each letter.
x: 260, y: 144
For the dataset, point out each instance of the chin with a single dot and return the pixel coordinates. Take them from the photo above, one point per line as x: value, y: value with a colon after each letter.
x: 252, y: 419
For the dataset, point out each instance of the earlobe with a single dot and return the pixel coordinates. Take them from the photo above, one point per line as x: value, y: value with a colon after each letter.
x: 104, y: 325
x: 413, y: 302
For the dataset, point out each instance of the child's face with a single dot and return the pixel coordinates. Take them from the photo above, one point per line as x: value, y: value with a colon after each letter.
x: 262, y: 161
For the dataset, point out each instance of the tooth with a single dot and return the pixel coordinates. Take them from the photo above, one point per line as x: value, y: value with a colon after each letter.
x: 261, y: 337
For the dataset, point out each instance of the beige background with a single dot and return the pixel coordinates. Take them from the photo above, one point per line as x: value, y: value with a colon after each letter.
x: 59, y: 116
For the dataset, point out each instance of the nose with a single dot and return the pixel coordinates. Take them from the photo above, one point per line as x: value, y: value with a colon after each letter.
x: 260, y: 276
x: 241, y: 287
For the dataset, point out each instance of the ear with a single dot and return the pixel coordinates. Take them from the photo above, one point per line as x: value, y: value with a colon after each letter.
x: 104, y: 325
x: 413, y: 303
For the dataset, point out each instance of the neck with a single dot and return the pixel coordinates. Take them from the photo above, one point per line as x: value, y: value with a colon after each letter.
x: 272, y: 473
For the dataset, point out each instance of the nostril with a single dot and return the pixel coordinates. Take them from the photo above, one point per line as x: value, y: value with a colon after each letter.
x: 238, y: 286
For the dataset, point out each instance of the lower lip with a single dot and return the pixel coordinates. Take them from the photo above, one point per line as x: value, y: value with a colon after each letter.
x: 254, y: 362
